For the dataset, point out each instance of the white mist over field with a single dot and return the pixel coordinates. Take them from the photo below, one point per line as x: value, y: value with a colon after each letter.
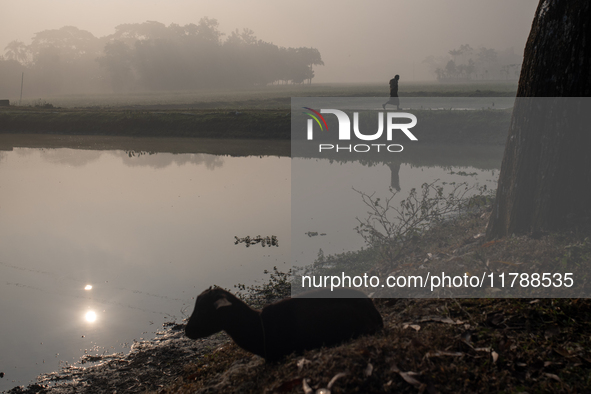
x: 366, y: 41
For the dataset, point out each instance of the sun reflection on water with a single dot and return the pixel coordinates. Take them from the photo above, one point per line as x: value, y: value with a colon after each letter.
x: 90, y: 316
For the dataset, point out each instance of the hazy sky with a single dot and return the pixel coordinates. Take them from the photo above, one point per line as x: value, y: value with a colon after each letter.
x: 359, y: 41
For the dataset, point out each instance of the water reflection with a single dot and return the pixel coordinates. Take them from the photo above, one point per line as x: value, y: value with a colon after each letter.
x: 325, y: 197
x: 163, y: 160
x: 132, y: 158
x: 90, y: 316
x: 142, y: 235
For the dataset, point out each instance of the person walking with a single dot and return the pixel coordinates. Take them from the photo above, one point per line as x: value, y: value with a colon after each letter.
x: 393, y: 93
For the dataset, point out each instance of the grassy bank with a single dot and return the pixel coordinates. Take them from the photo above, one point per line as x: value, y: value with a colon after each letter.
x: 482, y: 127
x: 261, y: 113
x: 244, y: 124
x: 449, y: 345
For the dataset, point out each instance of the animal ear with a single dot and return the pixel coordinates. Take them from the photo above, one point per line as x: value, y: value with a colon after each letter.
x: 221, y: 303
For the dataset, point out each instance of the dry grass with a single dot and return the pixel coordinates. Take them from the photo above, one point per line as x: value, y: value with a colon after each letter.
x: 483, y: 345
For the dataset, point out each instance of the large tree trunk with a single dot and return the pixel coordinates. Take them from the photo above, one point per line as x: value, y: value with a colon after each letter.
x: 545, y: 179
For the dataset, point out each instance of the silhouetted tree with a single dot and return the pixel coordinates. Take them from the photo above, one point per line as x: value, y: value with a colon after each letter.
x: 546, y: 170
x: 17, y: 50
x: 486, y: 55
x: 451, y: 70
x: 154, y: 56
x: 117, y: 61
x: 129, y: 33
x: 71, y: 42
x: 64, y: 60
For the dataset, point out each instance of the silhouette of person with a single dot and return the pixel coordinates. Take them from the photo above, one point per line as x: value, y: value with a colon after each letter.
x: 393, y: 93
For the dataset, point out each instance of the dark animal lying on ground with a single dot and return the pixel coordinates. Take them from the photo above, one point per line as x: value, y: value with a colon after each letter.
x: 287, y: 326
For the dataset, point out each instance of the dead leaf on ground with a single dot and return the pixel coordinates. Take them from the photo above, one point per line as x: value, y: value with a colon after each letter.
x: 407, y: 376
x: 302, y: 363
x: 466, y: 337
x: 508, y: 263
x: 334, y: 379
x: 442, y: 353
x: 495, y: 356
x: 308, y: 390
x: 563, y: 352
x: 552, y: 376
x: 495, y: 319
x: 439, y: 319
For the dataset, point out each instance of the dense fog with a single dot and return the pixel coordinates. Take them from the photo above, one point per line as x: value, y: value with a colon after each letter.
x: 151, y: 56
x: 69, y: 46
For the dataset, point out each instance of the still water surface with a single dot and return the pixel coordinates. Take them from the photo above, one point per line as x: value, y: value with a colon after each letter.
x: 99, y: 248
x: 148, y: 234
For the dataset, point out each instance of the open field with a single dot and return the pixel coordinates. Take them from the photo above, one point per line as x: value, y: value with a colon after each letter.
x: 240, y: 114
x: 268, y: 97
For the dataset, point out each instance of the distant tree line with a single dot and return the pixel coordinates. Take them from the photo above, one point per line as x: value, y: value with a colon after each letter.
x: 150, y: 56
x: 465, y: 63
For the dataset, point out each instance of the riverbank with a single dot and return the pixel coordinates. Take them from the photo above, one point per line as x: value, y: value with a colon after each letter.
x: 451, y: 127
x: 220, y: 124
x: 485, y: 345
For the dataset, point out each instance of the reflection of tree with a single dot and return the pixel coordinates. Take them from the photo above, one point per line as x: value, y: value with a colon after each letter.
x: 163, y: 160
x: 69, y: 157
x: 131, y: 158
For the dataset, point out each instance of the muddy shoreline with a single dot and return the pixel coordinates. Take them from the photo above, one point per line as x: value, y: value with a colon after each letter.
x: 150, y: 365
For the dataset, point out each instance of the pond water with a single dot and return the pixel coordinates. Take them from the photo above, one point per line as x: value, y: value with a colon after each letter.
x: 148, y: 234
x: 327, y: 203
x: 99, y: 248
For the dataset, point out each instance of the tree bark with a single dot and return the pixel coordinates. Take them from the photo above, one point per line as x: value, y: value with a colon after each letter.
x: 545, y: 179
